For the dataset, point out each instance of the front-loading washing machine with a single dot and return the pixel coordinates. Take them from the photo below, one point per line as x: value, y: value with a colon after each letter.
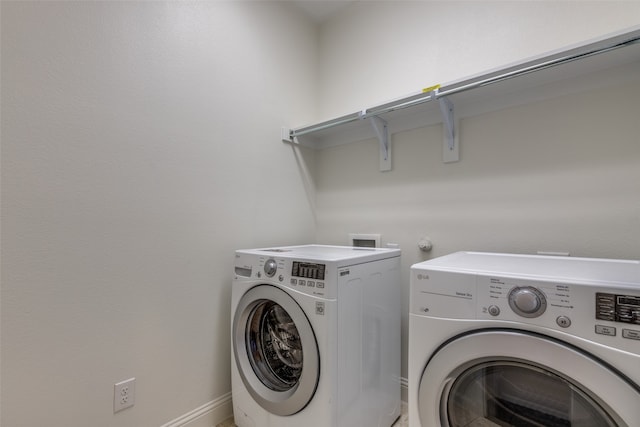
x: 315, y: 336
x: 520, y: 340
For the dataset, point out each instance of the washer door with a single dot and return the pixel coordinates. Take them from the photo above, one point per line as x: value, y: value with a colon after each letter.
x: 512, y: 378
x: 275, y: 350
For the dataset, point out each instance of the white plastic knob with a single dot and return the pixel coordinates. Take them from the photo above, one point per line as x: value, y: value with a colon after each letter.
x: 270, y: 267
x: 425, y: 244
x: 527, y: 301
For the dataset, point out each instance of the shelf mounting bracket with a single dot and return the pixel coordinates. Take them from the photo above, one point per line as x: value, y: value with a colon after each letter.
x: 451, y: 143
x: 286, y: 135
x: 382, y: 132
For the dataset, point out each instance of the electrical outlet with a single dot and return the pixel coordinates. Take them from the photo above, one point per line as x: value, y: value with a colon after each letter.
x: 124, y: 394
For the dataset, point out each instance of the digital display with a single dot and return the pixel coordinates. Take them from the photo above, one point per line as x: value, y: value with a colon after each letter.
x: 308, y: 270
x: 618, y: 308
x: 626, y: 300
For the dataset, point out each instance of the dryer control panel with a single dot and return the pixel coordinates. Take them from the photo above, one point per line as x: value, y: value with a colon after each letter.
x: 609, y: 315
x: 594, y: 299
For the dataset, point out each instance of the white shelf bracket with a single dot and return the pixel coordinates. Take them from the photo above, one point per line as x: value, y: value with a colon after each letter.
x: 451, y: 143
x: 286, y: 135
x: 382, y: 132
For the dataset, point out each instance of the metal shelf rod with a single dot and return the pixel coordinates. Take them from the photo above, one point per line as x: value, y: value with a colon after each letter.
x: 536, y: 67
x: 421, y: 98
x: 325, y: 125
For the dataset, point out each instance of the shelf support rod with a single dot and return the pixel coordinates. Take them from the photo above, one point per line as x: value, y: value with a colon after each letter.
x: 450, y: 147
x: 382, y: 132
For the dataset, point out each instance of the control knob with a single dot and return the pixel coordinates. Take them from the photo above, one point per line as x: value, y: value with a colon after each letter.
x: 527, y: 301
x: 270, y: 267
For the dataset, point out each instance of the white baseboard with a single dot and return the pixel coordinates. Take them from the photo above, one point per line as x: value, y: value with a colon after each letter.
x: 208, y: 415
x: 218, y: 410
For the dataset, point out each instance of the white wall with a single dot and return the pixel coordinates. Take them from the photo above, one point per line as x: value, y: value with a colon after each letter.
x: 375, y: 51
x: 558, y: 175
x: 140, y: 148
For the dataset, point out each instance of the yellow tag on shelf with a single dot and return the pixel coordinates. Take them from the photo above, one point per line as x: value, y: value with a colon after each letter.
x: 430, y: 88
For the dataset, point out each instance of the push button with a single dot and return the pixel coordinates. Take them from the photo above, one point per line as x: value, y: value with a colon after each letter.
x: 563, y: 321
x: 605, y: 330
x: 631, y: 334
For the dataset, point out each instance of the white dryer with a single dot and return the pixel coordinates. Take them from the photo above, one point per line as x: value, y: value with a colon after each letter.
x: 315, y: 336
x: 517, y: 340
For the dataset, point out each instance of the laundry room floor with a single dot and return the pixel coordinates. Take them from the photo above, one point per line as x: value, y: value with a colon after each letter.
x: 403, y: 421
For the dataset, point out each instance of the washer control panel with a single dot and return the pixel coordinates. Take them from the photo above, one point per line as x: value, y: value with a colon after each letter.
x: 304, y: 276
x: 309, y: 276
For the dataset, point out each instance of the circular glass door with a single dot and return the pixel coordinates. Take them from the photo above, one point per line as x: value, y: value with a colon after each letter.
x: 275, y: 350
x: 509, y: 378
x: 513, y: 393
x: 275, y: 345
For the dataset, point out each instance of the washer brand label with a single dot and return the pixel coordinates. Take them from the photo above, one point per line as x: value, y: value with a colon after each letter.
x: 320, y: 308
x: 344, y: 273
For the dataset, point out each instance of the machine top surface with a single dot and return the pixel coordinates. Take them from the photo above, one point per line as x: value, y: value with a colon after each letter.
x: 324, y: 253
x: 590, y: 270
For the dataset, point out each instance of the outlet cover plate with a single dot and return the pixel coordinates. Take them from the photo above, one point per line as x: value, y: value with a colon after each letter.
x: 124, y: 394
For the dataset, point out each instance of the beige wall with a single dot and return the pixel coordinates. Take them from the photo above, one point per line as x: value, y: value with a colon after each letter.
x: 140, y: 148
x: 557, y: 175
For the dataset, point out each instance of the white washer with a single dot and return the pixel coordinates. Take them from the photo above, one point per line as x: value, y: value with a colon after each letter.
x: 518, y: 340
x: 316, y: 336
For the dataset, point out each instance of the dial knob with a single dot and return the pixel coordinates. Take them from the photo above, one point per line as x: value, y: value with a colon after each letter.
x: 270, y: 267
x: 527, y: 301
